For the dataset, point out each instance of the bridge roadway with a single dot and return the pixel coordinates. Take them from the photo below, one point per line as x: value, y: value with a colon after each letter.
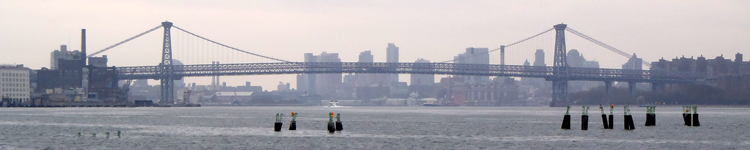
x: 587, y: 74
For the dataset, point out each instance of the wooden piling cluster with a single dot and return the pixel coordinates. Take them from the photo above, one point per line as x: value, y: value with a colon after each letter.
x: 650, y: 116
x: 690, y: 119
x: 628, y: 118
x: 566, y: 119
x: 332, y: 126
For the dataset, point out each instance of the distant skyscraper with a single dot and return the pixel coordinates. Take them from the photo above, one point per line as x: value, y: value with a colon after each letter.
x: 576, y: 59
x: 422, y: 79
x: 322, y: 84
x: 474, y: 56
x: 392, y: 57
x: 306, y: 82
x: 328, y: 83
x: 539, y: 58
x: 366, y: 56
x: 367, y: 79
x: 634, y: 63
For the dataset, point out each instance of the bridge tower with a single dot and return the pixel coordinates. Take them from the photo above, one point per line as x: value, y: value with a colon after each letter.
x: 167, y: 72
x: 560, y: 69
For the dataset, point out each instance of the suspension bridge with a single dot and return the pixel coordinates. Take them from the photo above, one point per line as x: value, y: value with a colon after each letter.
x: 560, y: 73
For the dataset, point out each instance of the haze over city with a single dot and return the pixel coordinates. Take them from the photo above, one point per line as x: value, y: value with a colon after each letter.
x: 393, y: 74
x: 433, y: 30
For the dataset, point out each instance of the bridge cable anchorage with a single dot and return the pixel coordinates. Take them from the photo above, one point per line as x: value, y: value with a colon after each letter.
x: 227, y: 46
x: 506, y: 46
x: 125, y: 41
x: 602, y: 44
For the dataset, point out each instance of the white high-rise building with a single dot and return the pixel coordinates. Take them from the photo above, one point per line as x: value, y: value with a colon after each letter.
x: 14, y: 83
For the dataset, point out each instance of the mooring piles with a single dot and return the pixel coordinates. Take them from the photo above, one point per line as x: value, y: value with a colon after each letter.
x: 293, y: 123
x: 686, y: 116
x: 585, y: 118
x: 604, y: 117
x: 651, y: 116
x: 691, y: 119
x: 339, y: 126
x: 566, y: 119
x: 277, y: 125
x: 331, y: 126
x: 628, y: 118
x: 611, y: 116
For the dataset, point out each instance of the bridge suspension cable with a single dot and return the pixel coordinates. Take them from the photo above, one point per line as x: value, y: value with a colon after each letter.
x: 597, y: 42
x: 125, y: 41
x: 511, y: 44
x: 506, y: 46
x: 227, y: 46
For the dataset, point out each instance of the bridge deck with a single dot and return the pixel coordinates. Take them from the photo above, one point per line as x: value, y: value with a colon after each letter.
x: 588, y: 74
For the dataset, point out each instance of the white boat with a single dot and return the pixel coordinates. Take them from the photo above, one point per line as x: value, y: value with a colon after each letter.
x: 333, y: 104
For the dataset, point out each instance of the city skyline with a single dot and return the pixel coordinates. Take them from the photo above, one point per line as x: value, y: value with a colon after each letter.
x: 352, y: 27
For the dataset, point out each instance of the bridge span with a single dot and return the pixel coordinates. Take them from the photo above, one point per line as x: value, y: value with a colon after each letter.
x: 587, y: 74
x: 559, y: 73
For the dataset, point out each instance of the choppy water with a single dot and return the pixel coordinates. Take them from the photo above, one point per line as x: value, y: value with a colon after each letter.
x: 364, y: 128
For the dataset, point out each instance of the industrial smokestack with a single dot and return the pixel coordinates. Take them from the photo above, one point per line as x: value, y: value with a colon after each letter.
x: 84, y: 69
x: 83, y: 46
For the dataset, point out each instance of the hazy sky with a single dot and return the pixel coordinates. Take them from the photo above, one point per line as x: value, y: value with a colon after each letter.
x: 429, y: 29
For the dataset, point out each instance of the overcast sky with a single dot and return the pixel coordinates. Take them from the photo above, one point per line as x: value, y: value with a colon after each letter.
x: 430, y: 29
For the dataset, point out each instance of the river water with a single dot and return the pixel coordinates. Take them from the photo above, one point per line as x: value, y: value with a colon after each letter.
x: 364, y: 128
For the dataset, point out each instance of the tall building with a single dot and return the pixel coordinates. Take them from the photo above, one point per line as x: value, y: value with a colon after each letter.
x: 634, y: 63
x: 539, y: 58
x: 328, y: 83
x: 576, y: 59
x: 474, y: 56
x: 366, y: 79
x: 538, y: 65
x: 321, y: 84
x: 422, y: 79
x: 14, y: 82
x: 306, y: 82
x: 366, y: 56
x: 392, y: 57
x: 63, y: 54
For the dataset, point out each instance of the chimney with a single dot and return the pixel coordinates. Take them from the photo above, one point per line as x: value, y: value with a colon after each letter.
x: 83, y: 46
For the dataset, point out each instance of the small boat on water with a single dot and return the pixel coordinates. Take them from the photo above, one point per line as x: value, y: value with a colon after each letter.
x: 333, y: 104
